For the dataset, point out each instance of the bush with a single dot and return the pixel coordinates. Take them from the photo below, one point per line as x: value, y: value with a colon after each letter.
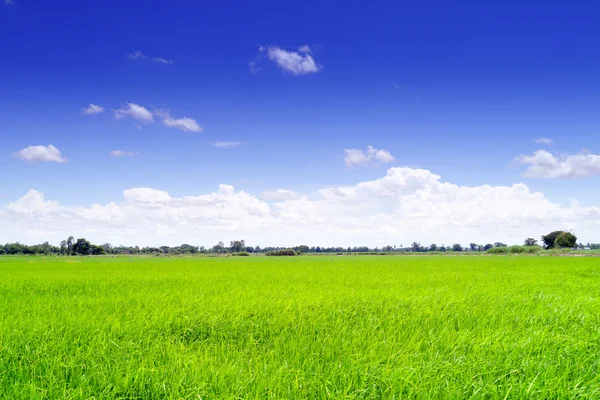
x: 498, y: 250
x: 285, y: 252
x: 241, y: 254
x: 514, y: 250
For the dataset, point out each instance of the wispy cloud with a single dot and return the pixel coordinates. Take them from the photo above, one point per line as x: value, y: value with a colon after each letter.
x: 226, y: 145
x: 135, y: 111
x: 121, y: 153
x: 543, y: 140
x: 185, y: 124
x: 299, y: 62
x: 357, y: 157
x: 545, y: 165
x: 9, y: 2
x: 92, y: 109
x: 34, y: 154
x: 139, y: 56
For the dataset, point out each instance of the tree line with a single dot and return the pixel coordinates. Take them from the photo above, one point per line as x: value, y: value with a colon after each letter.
x: 82, y: 247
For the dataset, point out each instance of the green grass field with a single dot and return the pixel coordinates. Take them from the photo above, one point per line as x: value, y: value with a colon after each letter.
x: 300, y: 327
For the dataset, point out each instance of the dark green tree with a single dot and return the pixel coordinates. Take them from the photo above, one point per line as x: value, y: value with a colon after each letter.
x: 566, y: 240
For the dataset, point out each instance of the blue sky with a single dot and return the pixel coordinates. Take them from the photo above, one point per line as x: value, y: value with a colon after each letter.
x: 460, y: 89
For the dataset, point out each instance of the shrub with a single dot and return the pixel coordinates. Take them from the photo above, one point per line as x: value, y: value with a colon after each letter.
x: 514, y: 249
x: 498, y: 250
x: 241, y: 254
x: 284, y: 252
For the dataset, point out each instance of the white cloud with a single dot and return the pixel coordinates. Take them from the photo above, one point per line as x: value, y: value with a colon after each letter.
x: 254, y: 68
x: 139, y: 56
x: 184, y: 124
x: 543, y: 140
x: 297, y: 63
x: 135, y: 111
x: 542, y: 164
x: 32, y: 203
x: 280, y: 194
x: 403, y: 206
x: 121, y: 153
x: 146, y: 195
x: 357, y: 157
x: 40, y: 154
x: 92, y: 109
x: 304, y: 49
x: 226, y: 145
x: 9, y: 2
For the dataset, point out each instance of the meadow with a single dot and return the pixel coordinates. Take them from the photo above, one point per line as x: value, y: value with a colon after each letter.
x: 382, y: 327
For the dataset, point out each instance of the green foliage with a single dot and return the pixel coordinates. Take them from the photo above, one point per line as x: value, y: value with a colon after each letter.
x: 241, y: 254
x: 567, y: 240
x: 530, y: 242
x: 514, y: 250
x: 299, y: 328
x: 284, y: 252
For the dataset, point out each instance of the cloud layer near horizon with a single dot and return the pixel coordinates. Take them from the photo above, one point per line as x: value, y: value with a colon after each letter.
x: 403, y: 206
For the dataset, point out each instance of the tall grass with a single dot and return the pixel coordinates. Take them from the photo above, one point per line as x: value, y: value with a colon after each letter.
x: 299, y: 327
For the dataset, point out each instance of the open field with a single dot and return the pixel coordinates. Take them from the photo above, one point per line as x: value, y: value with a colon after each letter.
x: 300, y: 327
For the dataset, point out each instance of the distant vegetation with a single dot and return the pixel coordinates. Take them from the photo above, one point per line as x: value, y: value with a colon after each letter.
x: 82, y: 247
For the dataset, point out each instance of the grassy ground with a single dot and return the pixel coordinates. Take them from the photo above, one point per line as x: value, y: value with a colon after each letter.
x: 300, y: 327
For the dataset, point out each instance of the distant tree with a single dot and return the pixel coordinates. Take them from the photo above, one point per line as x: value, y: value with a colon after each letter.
x: 63, y: 247
x: 500, y: 244
x: 303, y: 249
x: 457, y: 247
x: 416, y: 247
x: 219, y: 247
x: 433, y: 247
x: 70, y: 245
x: 550, y: 239
x: 566, y: 240
x: 488, y: 246
x: 237, y: 245
x: 530, y: 242
x: 82, y: 247
x: 473, y: 246
x: 97, y: 250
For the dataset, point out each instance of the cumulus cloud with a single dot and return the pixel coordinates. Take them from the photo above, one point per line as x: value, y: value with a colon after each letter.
x: 146, y: 195
x: 92, y: 109
x: 134, y: 111
x: 34, y: 154
x: 121, y: 153
x: 296, y: 63
x: 403, y: 206
x: 280, y: 194
x: 139, y: 56
x: 226, y: 145
x: 184, y: 124
x: 543, y: 164
x: 357, y: 157
x: 543, y: 140
x: 32, y: 203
